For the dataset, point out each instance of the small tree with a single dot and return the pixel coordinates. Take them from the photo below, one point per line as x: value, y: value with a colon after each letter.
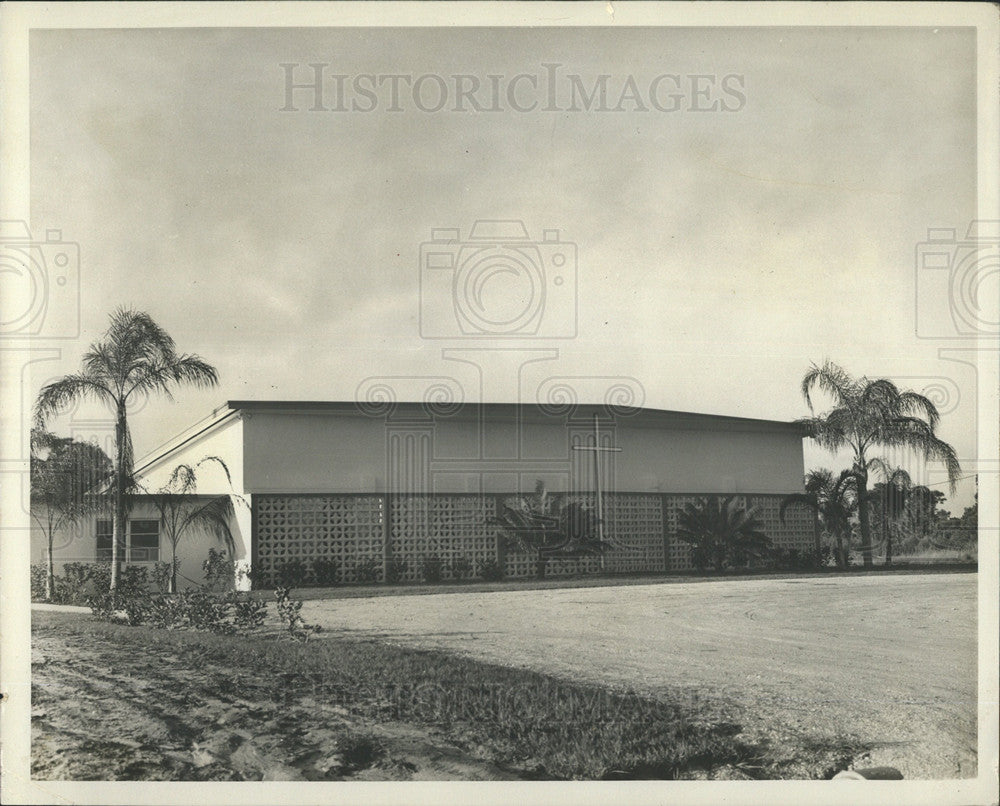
x: 898, y: 503
x: 833, y: 499
x: 180, y: 510
x: 548, y: 527
x: 65, y: 474
x: 721, y: 531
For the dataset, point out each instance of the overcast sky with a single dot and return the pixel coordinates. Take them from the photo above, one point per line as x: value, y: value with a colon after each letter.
x: 718, y: 252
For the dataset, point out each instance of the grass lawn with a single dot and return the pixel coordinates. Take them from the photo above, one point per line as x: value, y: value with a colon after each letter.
x: 137, y: 703
x: 888, y: 660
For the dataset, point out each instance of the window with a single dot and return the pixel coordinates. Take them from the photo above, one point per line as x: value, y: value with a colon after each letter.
x: 104, y: 532
x: 144, y: 541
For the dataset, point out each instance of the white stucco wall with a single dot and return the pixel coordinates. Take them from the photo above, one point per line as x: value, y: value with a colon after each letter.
x: 77, y: 544
x: 224, y: 440
x: 324, y: 450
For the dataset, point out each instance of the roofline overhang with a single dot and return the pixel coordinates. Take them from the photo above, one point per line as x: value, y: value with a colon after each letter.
x: 218, y: 417
x: 586, y: 409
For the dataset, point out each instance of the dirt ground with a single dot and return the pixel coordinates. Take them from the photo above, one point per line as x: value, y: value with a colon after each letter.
x: 889, y: 661
x: 112, y: 716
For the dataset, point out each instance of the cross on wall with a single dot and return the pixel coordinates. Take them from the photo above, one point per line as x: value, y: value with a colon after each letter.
x: 597, y: 450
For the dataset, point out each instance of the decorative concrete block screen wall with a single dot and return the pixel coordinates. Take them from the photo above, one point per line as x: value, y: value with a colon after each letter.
x: 344, y: 528
x: 353, y: 529
x: 446, y: 526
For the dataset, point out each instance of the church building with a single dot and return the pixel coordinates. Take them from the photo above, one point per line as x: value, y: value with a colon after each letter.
x: 374, y: 484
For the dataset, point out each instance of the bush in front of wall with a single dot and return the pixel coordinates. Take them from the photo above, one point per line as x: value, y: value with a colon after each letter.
x: 291, y: 574
x: 432, y: 569
x: 368, y: 571
x: 491, y: 571
x: 395, y: 570
x: 461, y: 568
x: 325, y: 571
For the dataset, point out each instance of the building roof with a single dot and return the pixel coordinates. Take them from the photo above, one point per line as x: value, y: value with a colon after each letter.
x: 575, y: 411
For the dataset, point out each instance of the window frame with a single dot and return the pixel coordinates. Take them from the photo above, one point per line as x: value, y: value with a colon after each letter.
x: 131, y: 554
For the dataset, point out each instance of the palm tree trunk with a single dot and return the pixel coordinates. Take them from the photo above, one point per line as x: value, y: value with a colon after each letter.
x: 864, y: 519
x: 118, y: 526
x: 49, y: 573
x: 173, y: 568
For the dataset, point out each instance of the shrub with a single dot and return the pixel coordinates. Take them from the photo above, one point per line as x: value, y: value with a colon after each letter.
x: 395, y: 570
x: 291, y: 574
x: 38, y: 573
x: 796, y: 560
x: 219, y: 571
x: 431, y: 568
x: 208, y: 611
x: 490, y: 570
x: 162, y: 572
x: 169, y: 612
x: 225, y: 613
x: 368, y: 570
x: 79, y: 579
x: 325, y: 571
x: 102, y: 605
x: 98, y: 574
x: 289, y: 610
x: 248, y: 613
x: 461, y: 568
x: 138, y: 609
x: 133, y: 583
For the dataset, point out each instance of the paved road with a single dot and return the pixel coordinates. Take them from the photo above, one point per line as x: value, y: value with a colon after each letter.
x: 888, y: 660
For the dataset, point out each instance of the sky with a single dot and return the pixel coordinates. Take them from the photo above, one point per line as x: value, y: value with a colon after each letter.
x: 766, y: 217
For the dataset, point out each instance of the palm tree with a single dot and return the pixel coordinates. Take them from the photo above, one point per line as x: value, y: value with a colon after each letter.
x: 833, y: 499
x: 868, y: 415
x: 549, y: 527
x: 721, y: 530
x: 180, y: 510
x: 135, y: 357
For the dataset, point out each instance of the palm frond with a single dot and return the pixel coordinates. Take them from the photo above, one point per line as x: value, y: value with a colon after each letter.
x: 221, y: 463
x: 137, y: 333
x: 185, y: 369
x: 213, y: 517
x: 830, y: 378
x: 182, y: 481
x: 805, y: 499
x: 913, y: 403
x: 60, y: 394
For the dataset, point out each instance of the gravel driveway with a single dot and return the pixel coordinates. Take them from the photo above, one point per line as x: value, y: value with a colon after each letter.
x: 889, y: 661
